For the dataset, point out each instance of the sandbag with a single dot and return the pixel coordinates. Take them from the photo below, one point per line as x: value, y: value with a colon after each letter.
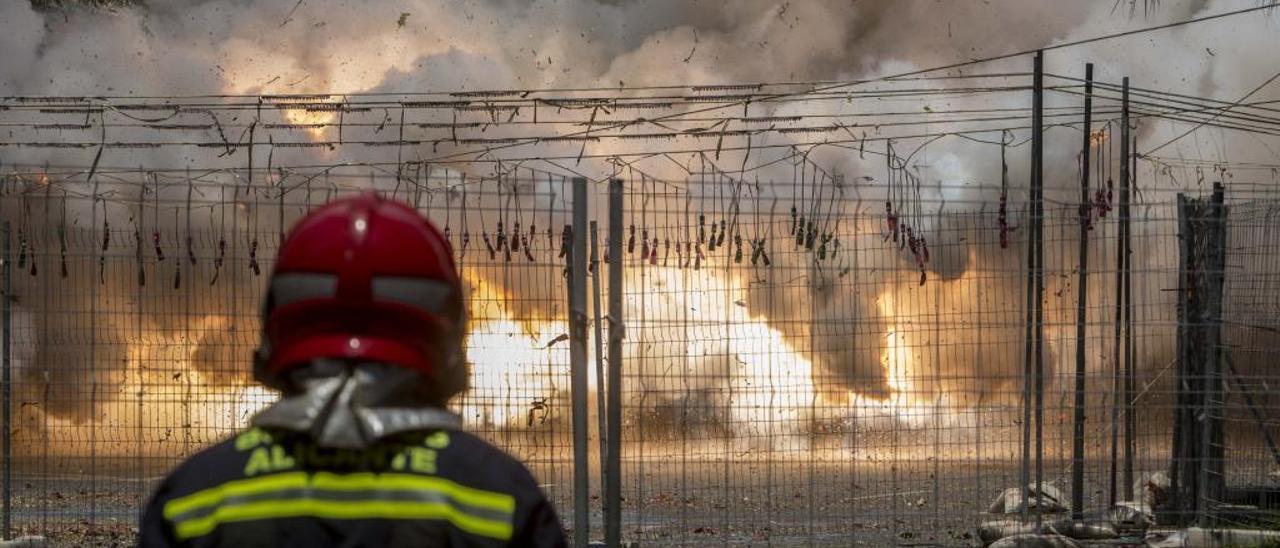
x: 991, y: 531
x: 1196, y: 537
x: 1010, y: 500
x: 1131, y: 515
x: 1029, y: 540
x: 1087, y: 531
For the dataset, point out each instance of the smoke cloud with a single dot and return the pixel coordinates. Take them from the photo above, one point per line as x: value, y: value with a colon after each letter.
x: 857, y: 334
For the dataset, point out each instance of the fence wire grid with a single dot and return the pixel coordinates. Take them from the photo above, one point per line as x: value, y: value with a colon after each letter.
x: 809, y: 357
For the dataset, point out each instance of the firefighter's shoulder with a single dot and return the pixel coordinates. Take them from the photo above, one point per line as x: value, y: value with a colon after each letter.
x: 466, y: 456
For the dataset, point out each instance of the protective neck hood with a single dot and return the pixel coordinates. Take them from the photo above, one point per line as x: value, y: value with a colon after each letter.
x: 345, y: 405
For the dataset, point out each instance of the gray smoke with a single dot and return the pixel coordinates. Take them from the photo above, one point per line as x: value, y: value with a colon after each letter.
x: 181, y: 47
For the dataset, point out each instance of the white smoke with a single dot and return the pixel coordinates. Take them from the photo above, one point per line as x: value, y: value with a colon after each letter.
x: 207, y: 47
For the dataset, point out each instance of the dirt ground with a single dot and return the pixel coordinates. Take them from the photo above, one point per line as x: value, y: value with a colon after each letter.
x: 666, y: 502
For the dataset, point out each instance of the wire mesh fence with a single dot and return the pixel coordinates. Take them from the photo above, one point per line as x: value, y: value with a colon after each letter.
x: 835, y: 386
x: 1248, y: 410
x: 808, y: 357
x: 790, y: 375
x: 132, y: 340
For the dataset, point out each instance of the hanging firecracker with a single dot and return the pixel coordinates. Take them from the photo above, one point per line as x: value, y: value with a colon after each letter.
x: 644, y: 245
x: 1002, y: 218
x: 22, y: 249
x: 1102, y: 199
x: 891, y: 219
x: 1002, y: 215
x: 102, y: 256
x: 528, y: 251
x: 800, y: 232
x: 488, y: 244
x: 62, y: 250
x: 758, y: 253
x: 253, y: 258
x: 155, y: 240
x: 566, y: 238
x: 501, y: 243
x: 137, y: 254
x: 217, y: 261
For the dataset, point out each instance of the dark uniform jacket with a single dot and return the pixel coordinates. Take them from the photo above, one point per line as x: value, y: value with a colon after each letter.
x: 265, y: 488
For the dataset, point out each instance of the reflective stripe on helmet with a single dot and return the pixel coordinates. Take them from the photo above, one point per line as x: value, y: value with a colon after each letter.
x: 343, y: 496
x: 425, y: 294
x: 291, y: 287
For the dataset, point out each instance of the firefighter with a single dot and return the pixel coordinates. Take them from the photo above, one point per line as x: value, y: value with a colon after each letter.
x: 363, y: 326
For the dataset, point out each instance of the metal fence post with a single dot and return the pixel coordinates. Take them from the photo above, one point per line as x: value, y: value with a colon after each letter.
x: 8, y: 385
x: 1123, y: 396
x: 597, y: 331
x: 1117, y: 393
x: 1179, y: 484
x: 578, y: 360
x: 613, y: 477
x: 1082, y: 297
x: 1037, y: 222
x: 1213, y: 264
x: 1031, y: 386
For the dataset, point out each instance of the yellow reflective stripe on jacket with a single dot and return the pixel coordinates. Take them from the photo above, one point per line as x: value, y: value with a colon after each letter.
x: 213, y: 496
x: 289, y: 508
x: 343, y: 496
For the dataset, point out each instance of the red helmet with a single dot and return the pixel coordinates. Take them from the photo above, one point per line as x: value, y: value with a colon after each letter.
x: 364, y: 278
